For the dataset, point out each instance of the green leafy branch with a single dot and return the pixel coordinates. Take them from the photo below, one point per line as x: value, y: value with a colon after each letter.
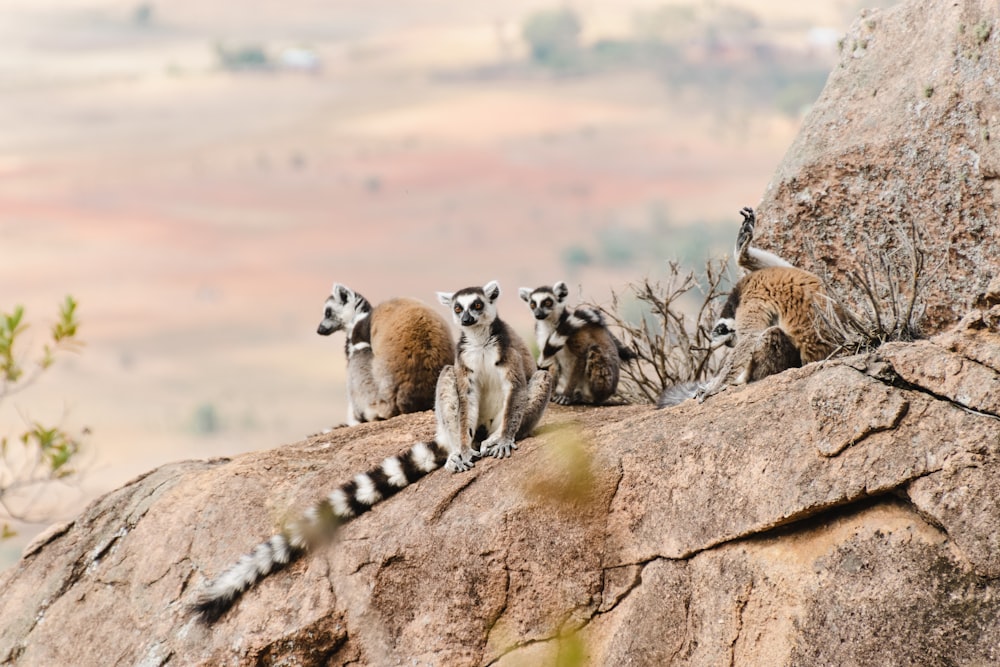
x: 41, y: 453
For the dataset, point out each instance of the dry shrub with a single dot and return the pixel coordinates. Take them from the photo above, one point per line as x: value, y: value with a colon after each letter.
x: 882, y: 300
x: 673, y: 340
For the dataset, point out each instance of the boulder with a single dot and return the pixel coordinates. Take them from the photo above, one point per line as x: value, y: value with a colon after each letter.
x: 840, y: 513
x: 906, y: 132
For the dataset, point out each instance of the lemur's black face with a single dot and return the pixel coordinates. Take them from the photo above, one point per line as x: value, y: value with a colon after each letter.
x: 724, y: 332
x: 336, y: 316
x: 542, y: 302
x: 468, y: 311
x: 472, y: 305
x: 541, y: 305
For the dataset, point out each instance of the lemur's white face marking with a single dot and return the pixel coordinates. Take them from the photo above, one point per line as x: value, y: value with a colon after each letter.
x: 472, y: 306
x: 338, y: 311
x: 724, y: 332
x: 546, y: 303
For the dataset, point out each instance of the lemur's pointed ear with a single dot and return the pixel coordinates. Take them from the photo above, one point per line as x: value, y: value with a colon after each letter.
x: 445, y: 298
x: 492, y: 290
x: 560, y: 290
x: 525, y: 294
x: 341, y: 293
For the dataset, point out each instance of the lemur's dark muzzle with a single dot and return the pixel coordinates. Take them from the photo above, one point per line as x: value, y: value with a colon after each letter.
x: 467, y: 320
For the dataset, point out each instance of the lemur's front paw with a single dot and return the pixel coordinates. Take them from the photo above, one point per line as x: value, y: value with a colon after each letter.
x: 498, y: 447
x: 459, y: 463
x: 562, y: 399
x: 707, y: 392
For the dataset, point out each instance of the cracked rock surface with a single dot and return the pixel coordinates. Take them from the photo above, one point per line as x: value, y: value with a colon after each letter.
x: 841, y: 513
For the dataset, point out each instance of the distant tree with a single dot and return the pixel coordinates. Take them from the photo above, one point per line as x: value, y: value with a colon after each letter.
x: 41, y: 453
x: 245, y: 57
x: 576, y: 256
x: 142, y: 14
x: 206, y: 419
x: 553, y: 36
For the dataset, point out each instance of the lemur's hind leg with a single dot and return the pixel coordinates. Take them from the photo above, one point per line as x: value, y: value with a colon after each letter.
x: 449, y: 423
x: 755, y: 357
x: 571, y: 376
x: 522, y: 413
x: 539, y: 387
x: 602, y: 375
x: 775, y: 352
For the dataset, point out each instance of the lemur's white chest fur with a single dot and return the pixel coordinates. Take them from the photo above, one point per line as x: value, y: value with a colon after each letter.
x: 481, y: 359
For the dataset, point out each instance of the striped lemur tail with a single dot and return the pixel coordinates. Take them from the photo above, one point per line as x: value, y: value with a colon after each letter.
x: 678, y: 393
x: 343, y: 504
x: 570, y: 323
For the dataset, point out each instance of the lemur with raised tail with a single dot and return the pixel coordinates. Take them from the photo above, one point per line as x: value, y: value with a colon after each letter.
x: 395, y: 352
x: 771, y: 320
x: 490, y: 397
x: 577, y: 344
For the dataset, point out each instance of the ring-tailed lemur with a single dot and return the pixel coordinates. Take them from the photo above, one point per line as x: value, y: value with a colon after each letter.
x: 770, y: 319
x: 385, y: 374
x: 585, y: 355
x: 492, y: 395
x: 501, y: 394
x: 749, y: 259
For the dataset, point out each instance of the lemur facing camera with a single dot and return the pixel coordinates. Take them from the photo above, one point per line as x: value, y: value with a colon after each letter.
x: 584, y: 355
x: 771, y: 320
x: 490, y: 397
x: 395, y: 353
x: 500, y: 394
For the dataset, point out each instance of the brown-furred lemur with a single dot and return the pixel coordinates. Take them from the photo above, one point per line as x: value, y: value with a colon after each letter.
x: 395, y: 353
x: 577, y: 345
x: 492, y: 396
x: 771, y: 320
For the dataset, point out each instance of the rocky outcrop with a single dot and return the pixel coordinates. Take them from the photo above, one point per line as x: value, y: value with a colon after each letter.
x: 907, y: 130
x: 841, y: 513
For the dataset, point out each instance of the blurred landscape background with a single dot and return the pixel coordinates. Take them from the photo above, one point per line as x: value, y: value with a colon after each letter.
x: 198, y: 174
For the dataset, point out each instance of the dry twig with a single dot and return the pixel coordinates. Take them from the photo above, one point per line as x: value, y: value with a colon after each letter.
x: 672, y: 340
x: 882, y: 300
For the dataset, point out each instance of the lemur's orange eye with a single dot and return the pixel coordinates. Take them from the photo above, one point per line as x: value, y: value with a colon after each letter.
x: 458, y: 309
x: 532, y: 304
x: 547, y: 303
x: 477, y: 305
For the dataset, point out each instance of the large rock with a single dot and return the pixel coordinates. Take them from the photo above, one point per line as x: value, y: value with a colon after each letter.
x: 841, y: 513
x: 907, y: 130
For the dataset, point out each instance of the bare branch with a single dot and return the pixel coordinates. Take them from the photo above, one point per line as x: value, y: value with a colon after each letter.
x: 670, y: 330
x: 882, y: 300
